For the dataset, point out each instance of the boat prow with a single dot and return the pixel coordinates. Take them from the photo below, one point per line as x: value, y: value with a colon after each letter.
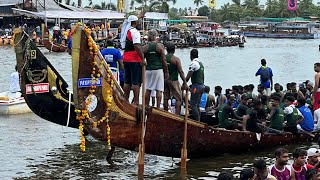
x: 42, y: 87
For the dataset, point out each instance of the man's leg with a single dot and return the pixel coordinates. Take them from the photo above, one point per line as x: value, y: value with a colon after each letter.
x: 126, y: 89
x: 196, y: 92
x: 147, y: 96
x: 159, y: 98
x: 136, y: 92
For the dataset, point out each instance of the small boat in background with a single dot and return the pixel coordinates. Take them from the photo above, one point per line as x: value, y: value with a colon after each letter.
x: 13, y: 103
x: 51, y: 46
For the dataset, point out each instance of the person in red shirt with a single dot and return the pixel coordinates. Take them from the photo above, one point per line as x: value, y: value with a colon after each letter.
x: 133, y: 58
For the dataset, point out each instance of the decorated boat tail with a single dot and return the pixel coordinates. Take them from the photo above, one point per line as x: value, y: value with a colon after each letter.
x: 51, y: 46
x: 107, y: 116
x: 42, y: 87
x: 13, y: 103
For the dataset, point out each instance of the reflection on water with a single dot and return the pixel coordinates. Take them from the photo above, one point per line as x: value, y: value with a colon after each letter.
x: 32, y: 148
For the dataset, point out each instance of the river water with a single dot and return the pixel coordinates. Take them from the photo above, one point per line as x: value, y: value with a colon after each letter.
x: 32, y: 148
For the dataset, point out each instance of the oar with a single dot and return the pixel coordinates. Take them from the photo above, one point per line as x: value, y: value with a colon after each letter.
x: 141, y: 146
x: 184, y: 147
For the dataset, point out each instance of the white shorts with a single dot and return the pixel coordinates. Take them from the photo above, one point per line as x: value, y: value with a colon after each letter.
x: 155, y: 80
x: 268, y: 91
x: 153, y: 93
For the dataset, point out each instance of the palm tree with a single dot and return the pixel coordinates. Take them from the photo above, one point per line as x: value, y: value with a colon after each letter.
x: 111, y: 6
x: 90, y: 2
x: 68, y: 2
x: 73, y: 4
x: 79, y: 3
x: 198, y: 2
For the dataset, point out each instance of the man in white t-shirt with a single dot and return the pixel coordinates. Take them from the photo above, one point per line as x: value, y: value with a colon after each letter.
x: 14, y: 82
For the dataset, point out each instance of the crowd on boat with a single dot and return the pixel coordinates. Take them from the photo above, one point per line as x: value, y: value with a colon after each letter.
x: 239, y: 108
x: 305, y: 166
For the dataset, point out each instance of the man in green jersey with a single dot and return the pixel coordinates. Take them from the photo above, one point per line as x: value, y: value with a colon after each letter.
x: 226, y: 112
x: 196, y: 73
x: 292, y: 115
x: 172, y: 86
x: 276, y: 115
x: 157, y: 68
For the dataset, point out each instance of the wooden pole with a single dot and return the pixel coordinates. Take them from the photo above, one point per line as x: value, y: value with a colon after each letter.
x: 184, y: 148
x: 141, y: 146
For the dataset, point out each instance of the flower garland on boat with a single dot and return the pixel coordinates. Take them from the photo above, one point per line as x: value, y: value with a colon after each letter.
x: 95, y: 74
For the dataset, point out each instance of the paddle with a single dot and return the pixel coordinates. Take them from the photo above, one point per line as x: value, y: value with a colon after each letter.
x: 141, y: 146
x: 184, y: 147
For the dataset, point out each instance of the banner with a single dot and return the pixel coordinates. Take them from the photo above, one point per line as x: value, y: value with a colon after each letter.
x: 120, y: 6
x: 212, y: 3
x: 292, y: 5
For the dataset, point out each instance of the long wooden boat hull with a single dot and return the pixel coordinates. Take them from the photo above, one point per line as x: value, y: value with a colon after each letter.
x: 42, y: 87
x: 50, y: 45
x: 164, y: 131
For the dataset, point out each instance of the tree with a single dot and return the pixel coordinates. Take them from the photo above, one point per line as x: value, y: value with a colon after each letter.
x: 73, y: 4
x: 79, y: 3
x: 198, y: 2
x: 203, y: 11
x: 68, y: 2
x: 111, y: 6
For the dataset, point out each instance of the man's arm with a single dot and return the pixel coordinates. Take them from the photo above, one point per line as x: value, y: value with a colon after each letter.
x: 138, y: 49
x: 160, y: 49
x: 181, y: 73
x: 233, y: 114
x: 271, y: 79
x: 273, y: 112
x: 258, y: 72
x: 189, y: 75
x: 316, y: 84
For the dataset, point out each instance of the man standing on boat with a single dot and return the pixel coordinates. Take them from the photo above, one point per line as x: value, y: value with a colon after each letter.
x: 132, y: 57
x: 157, y: 68
x: 114, y: 58
x: 265, y: 76
x: 196, y: 73
x: 316, y: 89
x: 172, y: 85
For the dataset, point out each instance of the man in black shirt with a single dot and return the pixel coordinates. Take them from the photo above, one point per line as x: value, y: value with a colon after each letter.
x: 242, y: 107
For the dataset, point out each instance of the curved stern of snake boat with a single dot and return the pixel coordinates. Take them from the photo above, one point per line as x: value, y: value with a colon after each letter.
x: 44, y: 90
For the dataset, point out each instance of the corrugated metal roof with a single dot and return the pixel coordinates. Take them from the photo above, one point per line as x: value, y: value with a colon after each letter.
x: 2, y: 2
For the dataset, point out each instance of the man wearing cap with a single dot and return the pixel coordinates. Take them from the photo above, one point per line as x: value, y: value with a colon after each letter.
x: 312, y: 158
x: 132, y: 57
x: 266, y: 75
x: 114, y: 58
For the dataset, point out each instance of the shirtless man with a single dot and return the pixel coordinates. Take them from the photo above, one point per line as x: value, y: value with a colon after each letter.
x: 172, y: 86
x: 315, y: 93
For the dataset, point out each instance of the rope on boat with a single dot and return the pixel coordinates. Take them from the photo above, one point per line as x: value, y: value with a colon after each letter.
x: 19, y: 40
x: 69, y: 107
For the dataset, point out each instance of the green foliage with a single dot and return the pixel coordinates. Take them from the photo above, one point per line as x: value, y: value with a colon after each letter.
x: 203, y: 11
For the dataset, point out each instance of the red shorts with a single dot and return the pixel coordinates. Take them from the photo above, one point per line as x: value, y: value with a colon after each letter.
x: 316, y: 98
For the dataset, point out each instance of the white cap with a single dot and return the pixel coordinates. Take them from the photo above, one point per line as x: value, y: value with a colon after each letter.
x: 132, y: 18
x: 312, y: 152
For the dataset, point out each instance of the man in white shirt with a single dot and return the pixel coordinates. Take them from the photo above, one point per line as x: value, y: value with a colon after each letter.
x: 196, y: 73
x: 14, y: 83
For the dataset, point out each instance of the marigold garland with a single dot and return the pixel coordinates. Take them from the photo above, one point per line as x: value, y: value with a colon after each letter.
x: 83, y: 114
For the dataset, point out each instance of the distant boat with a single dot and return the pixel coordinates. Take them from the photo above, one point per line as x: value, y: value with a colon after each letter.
x: 12, y: 105
x: 51, y: 46
x: 294, y: 29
